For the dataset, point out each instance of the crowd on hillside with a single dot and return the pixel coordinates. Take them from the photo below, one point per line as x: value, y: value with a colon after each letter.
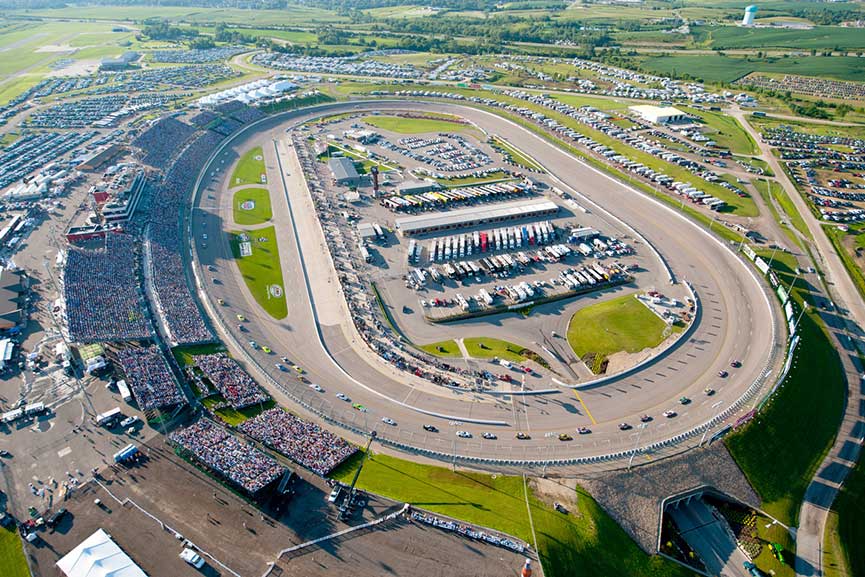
x: 149, y: 377
x: 99, y: 289
x: 240, y: 463
x: 235, y: 384
x: 303, y: 442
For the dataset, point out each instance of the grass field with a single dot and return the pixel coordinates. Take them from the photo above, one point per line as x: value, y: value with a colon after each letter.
x: 183, y: 354
x: 722, y: 68
x: 262, y: 269
x: 481, y: 348
x: 586, y: 542
x: 250, y: 168
x: 236, y: 416
x: 487, y: 348
x: 776, y: 453
x: 442, y: 349
x: 516, y: 156
x: 414, y: 125
x: 599, y: 103
x: 12, y: 560
x: 726, y: 131
x: 261, y: 211
x: 619, y: 324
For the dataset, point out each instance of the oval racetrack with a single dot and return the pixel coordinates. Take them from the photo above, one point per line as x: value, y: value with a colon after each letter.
x: 737, y: 320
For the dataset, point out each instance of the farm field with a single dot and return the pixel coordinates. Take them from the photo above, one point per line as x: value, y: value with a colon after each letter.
x: 288, y: 16
x: 261, y: 270
x: 568, y: 544
x: 722, y: 68
x: 819, y: 37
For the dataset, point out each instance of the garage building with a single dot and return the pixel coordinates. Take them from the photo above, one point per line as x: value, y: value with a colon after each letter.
x: 474, y: 215
x: 659, y: 114
x: 343, y: 171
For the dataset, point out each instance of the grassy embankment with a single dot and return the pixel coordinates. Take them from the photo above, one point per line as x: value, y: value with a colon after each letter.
x: 586, y: 542
x: 775, y: 451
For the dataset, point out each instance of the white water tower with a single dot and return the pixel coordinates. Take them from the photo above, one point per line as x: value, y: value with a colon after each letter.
x: 750, y: 12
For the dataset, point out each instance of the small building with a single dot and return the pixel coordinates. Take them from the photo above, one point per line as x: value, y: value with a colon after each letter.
x: 101, y: 157
x: 474, y: 216
x: 366, y: 230
x: 416, y: 187
x: 659, y: 114
x: 343, y: 171
x: 120, y: 63
x: 99, y: 556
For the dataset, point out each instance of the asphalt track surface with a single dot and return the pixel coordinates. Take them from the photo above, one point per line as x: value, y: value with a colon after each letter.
x: 736, y: 318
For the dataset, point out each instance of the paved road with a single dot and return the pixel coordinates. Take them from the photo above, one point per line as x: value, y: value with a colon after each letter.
x: 736, y: 321
x: 709, y: 536
x: 846, y: 327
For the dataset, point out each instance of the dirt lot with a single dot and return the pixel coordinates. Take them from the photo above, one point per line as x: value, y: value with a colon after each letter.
x: 401, y: 548
x: 167, y: 496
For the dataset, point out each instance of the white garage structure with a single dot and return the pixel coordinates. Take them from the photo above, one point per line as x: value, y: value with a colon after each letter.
x: 659, y: 114
x: 99, y: 556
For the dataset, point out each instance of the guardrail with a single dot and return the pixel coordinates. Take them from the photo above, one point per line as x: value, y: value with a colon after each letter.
x: 333, y: 418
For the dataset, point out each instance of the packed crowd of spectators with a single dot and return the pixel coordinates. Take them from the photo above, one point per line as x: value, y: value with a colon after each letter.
x: 468, y: 531
x: 301, y: 441
x: 238, y: 462
x: 162, y: 140
x: 150, y: 378
x: 100, y: 292
x: 235, y: 384
x: 182, y: 317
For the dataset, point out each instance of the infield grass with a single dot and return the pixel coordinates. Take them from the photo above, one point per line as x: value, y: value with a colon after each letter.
x: 442, y: 349
x: 12, y: 560
x: 260, y: 212
x: 249, y: 168
x: 577, y: 544
x: 619, y: 324
x: 262, y: 269
x: 402, y: 125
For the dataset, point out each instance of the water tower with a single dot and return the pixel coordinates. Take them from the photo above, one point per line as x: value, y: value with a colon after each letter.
x: 750, y: 12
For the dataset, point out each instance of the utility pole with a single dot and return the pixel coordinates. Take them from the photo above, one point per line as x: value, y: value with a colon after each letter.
x: 343, y: 510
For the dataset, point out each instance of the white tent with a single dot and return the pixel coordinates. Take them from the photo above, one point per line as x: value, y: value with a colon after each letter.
x: 99, y: 556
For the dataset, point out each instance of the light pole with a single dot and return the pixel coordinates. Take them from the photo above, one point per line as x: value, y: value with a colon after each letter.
x: 642, y: 428
x: 799, y: 318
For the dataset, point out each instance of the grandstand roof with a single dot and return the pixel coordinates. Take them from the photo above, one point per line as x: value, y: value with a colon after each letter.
x: 99, y: 556
x: 474, y: 215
